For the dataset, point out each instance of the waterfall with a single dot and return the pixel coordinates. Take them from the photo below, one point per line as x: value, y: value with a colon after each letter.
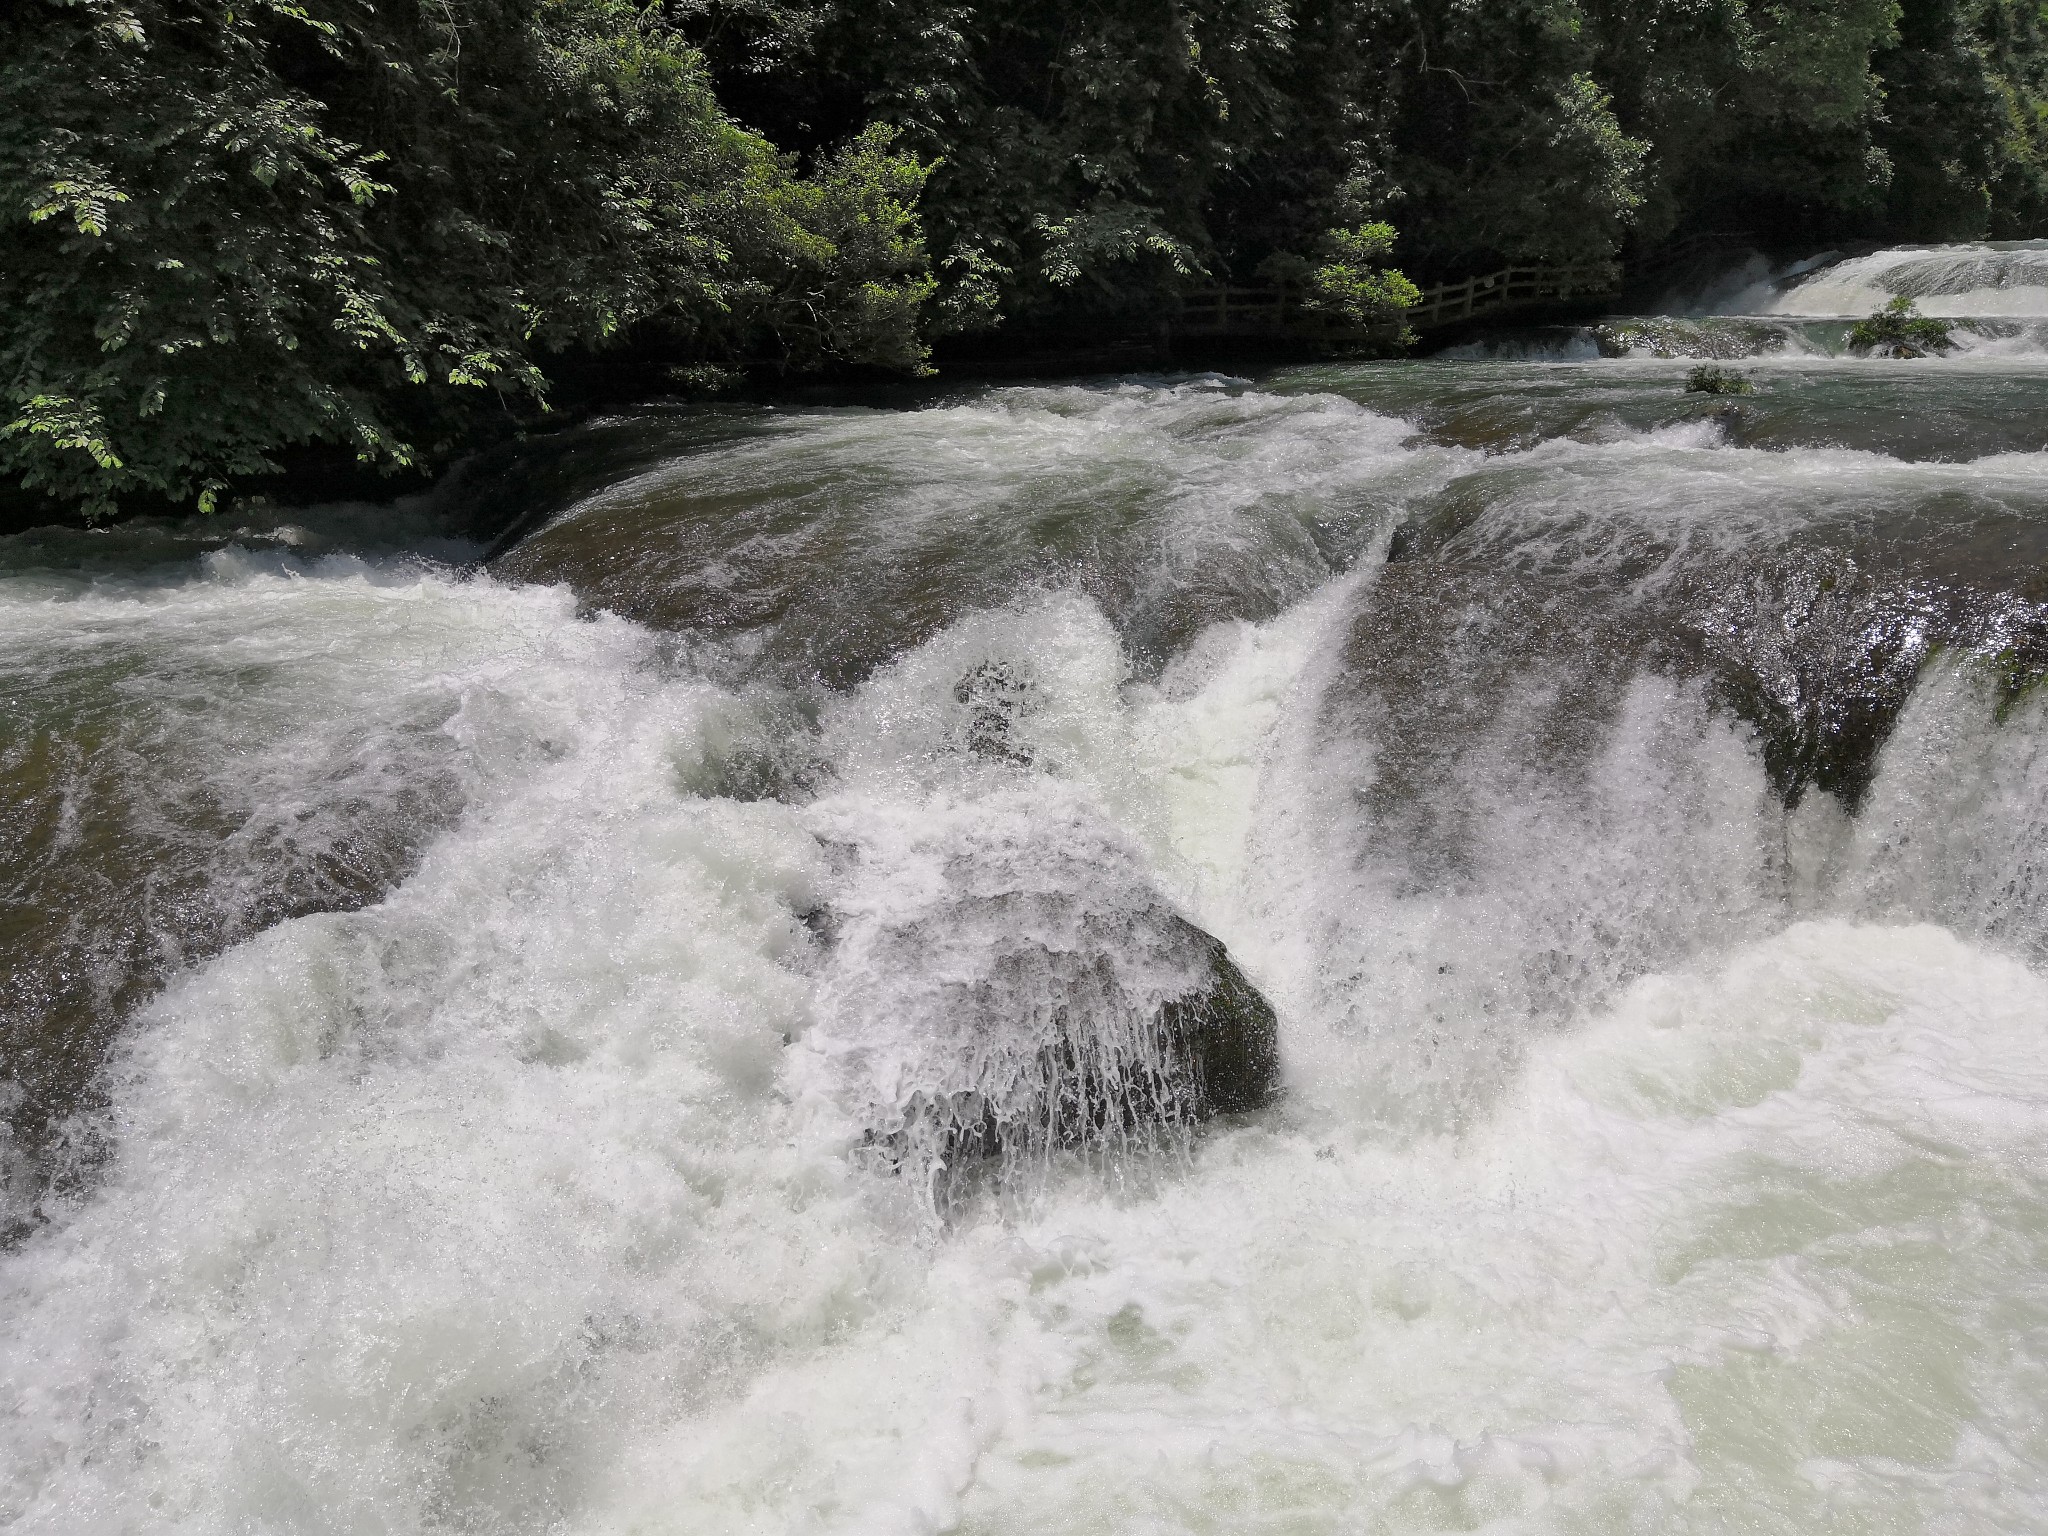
x: 1448, y: 945
x: 1994, y: 279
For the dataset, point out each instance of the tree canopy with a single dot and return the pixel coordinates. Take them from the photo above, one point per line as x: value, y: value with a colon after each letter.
x: 235, y: 227
x: 229, y: 230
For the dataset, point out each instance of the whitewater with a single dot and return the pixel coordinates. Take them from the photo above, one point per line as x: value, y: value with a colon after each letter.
x: 478, y: 974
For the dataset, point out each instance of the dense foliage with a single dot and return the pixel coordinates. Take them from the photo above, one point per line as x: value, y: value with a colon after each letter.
x: 234, y: 227
x: 227, y: 229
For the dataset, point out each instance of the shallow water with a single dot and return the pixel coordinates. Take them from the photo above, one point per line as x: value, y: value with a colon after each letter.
x: 453, y: 1005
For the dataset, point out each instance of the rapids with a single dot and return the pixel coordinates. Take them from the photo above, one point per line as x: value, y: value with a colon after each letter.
x: 472, y: 969
x: 1995, y: 278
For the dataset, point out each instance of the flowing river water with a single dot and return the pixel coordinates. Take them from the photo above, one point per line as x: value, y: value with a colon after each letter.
x: 466, y: 1019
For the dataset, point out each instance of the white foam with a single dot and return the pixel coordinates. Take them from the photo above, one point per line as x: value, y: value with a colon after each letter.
x: 1971, y: 281
x: 1680, y: 498
x: 523, y: 1200
x: 1957, y: 825
x: 1693, y: 1268
x: 416, y: 1209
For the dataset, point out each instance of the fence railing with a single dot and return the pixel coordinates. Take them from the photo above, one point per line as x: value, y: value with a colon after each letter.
x: 1266, y: 311
x: 1510, y: 288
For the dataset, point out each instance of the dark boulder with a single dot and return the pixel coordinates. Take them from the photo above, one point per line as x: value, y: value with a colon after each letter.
x: 1226, y: 1032
x: 1006, y: 982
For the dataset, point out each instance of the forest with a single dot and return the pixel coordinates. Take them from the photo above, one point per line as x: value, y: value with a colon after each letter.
x: 380, y: 232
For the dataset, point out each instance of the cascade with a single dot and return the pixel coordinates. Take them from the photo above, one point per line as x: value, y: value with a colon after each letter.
x: 1441, y: 945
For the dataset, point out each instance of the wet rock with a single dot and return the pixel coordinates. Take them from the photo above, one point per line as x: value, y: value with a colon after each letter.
x: 996, y: 698
x: 1006, y: 982
x: 1721, y: 340
x: 1591, y: 728
x: 1815, y: 636
x: 1228, y: 1034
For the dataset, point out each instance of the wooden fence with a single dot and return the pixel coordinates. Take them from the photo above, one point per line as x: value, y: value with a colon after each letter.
x: 1285, y: 311
x: 1511, y: 288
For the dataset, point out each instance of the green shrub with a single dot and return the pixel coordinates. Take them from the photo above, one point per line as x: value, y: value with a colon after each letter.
x: 1712, y: 379
x: 1352, y: 282
x: 1900, y: 330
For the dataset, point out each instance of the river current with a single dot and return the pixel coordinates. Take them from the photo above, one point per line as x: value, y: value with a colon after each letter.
x: 458, y: 961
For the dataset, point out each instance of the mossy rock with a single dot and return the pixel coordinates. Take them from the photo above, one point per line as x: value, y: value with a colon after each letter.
x: 2018, y: 672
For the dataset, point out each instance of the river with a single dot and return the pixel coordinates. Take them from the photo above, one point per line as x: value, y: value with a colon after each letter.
x: 467, y: 1006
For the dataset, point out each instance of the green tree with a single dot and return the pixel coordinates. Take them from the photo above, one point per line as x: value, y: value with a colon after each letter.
x: 1353, y: 281
x: 1900, y: 330
x: 1966, y: 120
x: 1503, y: 144
x: 1092, y: 159
x: 229, y: 229
x: 1760, y: 114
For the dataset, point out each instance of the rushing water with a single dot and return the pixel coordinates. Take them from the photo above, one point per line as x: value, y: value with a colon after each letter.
x: 474, y: 1028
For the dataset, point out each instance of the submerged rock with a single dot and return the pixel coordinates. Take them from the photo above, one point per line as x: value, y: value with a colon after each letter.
x: 1721, y: 340
x: 1004, y: 981
x: 1814, y: 631
x: 996, y: 699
